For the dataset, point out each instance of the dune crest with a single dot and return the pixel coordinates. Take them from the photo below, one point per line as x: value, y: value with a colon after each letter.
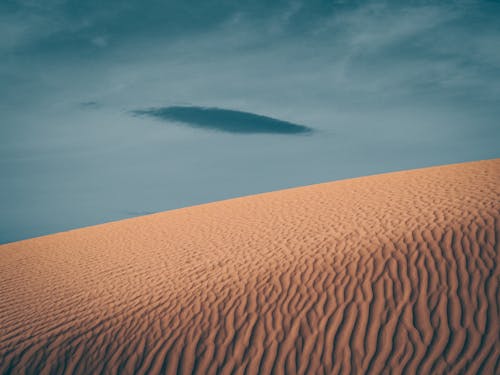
x: 389, y: 273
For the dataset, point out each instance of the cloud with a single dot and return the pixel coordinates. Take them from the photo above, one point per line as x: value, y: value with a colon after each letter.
x: 89, y: 104
x: 100, y: 41
x: 225, y: 120
x: 388, y: 85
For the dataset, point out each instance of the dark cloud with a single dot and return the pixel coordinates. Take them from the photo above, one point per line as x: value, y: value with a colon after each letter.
x: 225, y: 120
x: 89, y: 105
x: 139, y: 213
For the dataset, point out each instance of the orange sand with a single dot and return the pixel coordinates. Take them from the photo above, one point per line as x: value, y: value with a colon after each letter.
x: 396, y: 272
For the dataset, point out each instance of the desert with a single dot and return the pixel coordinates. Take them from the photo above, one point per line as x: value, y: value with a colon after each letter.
x: 391, y: 273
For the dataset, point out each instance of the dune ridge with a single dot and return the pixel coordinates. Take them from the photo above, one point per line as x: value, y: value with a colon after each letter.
x: 394, y: 273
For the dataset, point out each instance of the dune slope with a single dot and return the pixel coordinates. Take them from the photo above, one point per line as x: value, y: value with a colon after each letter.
x: 396, y: 272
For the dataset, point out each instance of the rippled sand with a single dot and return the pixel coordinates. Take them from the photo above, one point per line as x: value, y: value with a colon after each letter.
x: 396, y: 272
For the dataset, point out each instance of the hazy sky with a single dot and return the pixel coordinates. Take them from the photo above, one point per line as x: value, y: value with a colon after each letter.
x: 379, y: 86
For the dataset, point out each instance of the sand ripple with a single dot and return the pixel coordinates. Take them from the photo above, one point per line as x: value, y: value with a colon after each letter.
x: 395, y: 273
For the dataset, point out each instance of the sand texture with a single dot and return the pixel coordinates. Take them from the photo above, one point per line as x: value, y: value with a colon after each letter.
x: 395, y: 273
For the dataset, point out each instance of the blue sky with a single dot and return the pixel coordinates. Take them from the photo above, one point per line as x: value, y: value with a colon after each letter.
x: 383, y: 86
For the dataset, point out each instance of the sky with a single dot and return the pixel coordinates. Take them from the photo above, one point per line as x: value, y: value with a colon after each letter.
x: 114, y: 109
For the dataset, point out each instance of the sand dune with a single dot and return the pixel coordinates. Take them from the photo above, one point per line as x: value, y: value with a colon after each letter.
x: 395, y: 273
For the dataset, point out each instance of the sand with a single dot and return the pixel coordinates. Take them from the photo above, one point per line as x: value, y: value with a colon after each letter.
x: 394, y: 273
